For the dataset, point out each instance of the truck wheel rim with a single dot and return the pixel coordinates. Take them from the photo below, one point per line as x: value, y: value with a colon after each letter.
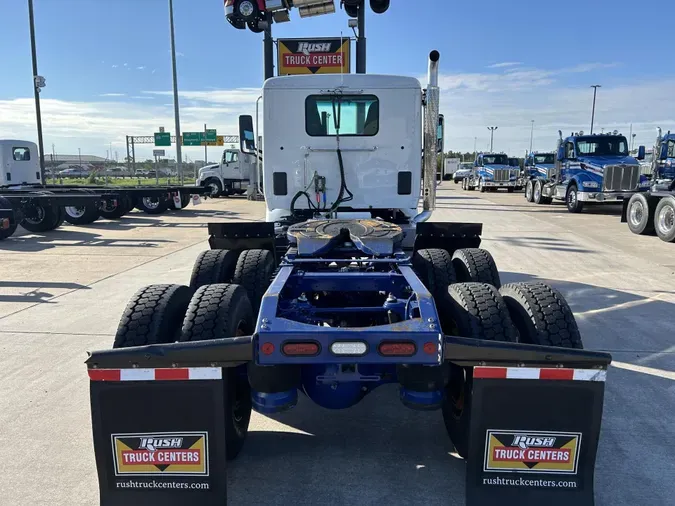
x: 214, y: 188
x: 666, y: 219
x: 109, y: 207
x: 151, y: 202
x: 636, y: 213
x: 75, y: 211
x: 246, y: 8
x: 537, y: 191
x: 39, y: 216
x: 528, y: 191
x: 572, y: 198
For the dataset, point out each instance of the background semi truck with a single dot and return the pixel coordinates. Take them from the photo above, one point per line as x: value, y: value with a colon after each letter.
x: 451, y: 166
x: 588, y: 168
x: 654, y: 210
x: 229, y: 177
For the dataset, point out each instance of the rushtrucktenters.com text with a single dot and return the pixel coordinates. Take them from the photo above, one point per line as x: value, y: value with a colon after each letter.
x: 526, y: 482
x: 155, y: 484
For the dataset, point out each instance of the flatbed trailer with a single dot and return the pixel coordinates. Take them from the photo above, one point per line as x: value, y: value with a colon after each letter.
x: 40, y: 208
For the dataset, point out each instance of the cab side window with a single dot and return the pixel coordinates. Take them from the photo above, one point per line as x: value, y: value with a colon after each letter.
x: 21, y: 154
x: 231, y: 157
x: 569, y: 150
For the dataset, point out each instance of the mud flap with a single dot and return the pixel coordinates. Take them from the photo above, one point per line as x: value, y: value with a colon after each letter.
x: 534, y: 436
x: 159, y: 436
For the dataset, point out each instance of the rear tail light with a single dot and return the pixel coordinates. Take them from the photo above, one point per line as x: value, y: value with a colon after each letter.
x: 397, y: 349
x: 303, y: 349
x: 267, y: 348
x: 350, y: 348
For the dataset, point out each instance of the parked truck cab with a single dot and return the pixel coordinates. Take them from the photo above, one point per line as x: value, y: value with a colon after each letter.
x: 20, y: 162
x: 662, y: 167
x: 493, y: 171
x: 589, y: 168
x: 230, y: 176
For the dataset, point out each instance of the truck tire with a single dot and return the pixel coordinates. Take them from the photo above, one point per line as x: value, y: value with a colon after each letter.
x: 184, y: 201
x: 640, y: 214
x: 8, y: 232
x: 574, y: 205
x: 221, y: 311
x: 254, y: 272
x: 80, y: 215
x: 152, y: 204
x: 213, y: 266
x: 481, y: 185
x: 153, y: 315
x: 479, y: 313
x: 664, y: 219
x: 538, y: 194
x: 215, y: 187
x: 434, y: 268
x: 114, y: 210
x: 529, y: 191
x: 476, y: 265
x: 60, y: 218
x: 41, y: 218
x: 541, y: 315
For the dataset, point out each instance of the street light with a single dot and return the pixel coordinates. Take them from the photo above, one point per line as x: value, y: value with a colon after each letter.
x: 38, y: 82
x: 531, y: 135
x: 179, y: 168
x: 492, y: 133
x: 595, y: 92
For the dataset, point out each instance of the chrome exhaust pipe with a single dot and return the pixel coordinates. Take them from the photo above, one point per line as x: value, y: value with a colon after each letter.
x: 431, y: 134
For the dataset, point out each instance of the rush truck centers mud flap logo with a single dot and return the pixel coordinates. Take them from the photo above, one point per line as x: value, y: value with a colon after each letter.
x: 176, y: 454
x: 534, y: 452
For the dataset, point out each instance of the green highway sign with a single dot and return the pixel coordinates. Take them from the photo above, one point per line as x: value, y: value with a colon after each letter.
x: 192, y: 138
x: 162, y: 139
x: 197, y: 138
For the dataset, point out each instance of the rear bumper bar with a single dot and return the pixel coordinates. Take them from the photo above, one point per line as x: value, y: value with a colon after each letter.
x: 232, y: 352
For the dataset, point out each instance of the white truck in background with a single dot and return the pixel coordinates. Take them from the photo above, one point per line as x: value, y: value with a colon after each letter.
x: 230, y: 176
x: 451, y: 166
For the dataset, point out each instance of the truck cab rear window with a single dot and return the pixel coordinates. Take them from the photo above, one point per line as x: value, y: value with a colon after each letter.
x: 21, y: 154
x: 346, y: 115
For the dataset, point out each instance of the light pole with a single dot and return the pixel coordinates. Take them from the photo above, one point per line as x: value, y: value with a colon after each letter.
x: 475, y: 139
x: 38, y: 82
x: 79, y: 155
x: 632, y: 142
x: 179, y: 168
x: 531, y: 135
x: 492, y: 133
x: 595, y: 92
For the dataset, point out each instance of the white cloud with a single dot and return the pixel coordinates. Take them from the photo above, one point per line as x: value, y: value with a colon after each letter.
x: 115, y: 66
x: 238, y: 96
x: 91, y: 126
x: 112, y: 95
x: 140, y: 68
x: 505, y: 64
x: 153, y: 71
x: 125, y: 64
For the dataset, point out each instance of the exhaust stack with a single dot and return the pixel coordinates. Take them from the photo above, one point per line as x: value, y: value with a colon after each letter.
x: 430, y: 135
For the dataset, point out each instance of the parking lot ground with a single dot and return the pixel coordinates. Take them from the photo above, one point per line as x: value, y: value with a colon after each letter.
x: 62, y: 294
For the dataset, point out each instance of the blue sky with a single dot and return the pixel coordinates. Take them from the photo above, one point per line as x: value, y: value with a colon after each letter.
x: 108, y: 68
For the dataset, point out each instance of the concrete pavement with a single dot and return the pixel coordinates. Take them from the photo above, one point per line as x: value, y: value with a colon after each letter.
x: 63, y: 293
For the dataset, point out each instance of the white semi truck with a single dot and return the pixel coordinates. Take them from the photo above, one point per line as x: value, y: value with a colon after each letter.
x: 450, y: 167
x: 229, y: 177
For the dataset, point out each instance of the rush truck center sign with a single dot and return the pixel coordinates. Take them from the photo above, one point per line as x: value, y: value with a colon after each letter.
x: 313, y: 56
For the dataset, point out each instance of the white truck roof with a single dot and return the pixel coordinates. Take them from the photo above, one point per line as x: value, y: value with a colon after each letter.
x: 332, y: 81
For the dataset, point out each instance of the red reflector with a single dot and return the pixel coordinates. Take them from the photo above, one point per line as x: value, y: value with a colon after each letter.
x: 300, y: 349
x: 489, y: 372
x: 556, y: 374
x: 267, y: 348
x: 430, y: 348
x: 172, y: 374
x: 104, y: 374
x: 397, y: 349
